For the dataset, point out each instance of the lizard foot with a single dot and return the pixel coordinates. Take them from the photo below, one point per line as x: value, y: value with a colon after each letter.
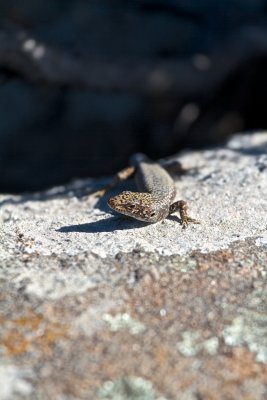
x: 185, y: 221
x: 182, y: 207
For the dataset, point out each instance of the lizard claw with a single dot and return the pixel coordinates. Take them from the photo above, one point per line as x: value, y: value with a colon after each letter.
x: 185, y: 221
x: 193, y: 220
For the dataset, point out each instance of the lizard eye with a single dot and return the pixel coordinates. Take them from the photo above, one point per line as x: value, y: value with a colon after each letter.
x: 152, y: 214
x: 131, y: 206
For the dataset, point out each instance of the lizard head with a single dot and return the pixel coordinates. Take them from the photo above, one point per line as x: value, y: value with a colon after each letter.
x: 136, y: 205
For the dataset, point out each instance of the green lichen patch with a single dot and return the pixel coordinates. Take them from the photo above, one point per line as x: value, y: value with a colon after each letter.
x: 249, y: 328
x: 192, y: 343
x: 124, y: 322
x: 127, y: 388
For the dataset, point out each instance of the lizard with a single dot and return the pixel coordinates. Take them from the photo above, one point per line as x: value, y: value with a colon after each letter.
x: 154, y: 200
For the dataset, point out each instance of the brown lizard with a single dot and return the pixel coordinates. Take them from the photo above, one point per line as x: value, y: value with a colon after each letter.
x: 155, y: 199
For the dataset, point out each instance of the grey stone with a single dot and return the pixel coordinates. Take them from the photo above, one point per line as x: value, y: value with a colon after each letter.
x: 89, y: 298
x: 227, y: 194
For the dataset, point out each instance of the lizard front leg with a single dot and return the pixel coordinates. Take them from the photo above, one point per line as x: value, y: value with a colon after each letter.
x: 182, y: 207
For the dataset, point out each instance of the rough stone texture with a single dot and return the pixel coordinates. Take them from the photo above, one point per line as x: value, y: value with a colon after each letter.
x: 96, y: 307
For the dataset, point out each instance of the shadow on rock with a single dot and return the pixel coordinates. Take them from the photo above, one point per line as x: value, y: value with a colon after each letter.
x: 110, y: 224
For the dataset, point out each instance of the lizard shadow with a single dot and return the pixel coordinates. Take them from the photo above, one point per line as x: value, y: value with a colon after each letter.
x: 110, y: 224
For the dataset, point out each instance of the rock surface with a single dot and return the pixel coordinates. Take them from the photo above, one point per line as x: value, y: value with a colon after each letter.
x: 96, y: 307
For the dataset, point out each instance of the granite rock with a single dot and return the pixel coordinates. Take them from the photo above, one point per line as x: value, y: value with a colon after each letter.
x: 93, y: 306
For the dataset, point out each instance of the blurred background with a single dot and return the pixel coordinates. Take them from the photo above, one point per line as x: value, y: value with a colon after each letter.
x: 84, y: 84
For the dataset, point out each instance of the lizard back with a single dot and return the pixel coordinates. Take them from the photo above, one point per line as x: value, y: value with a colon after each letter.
x: 150, y: 177
x: 156, y: 192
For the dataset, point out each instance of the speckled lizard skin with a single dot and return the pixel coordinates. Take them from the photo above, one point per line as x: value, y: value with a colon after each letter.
x: 154, y: 200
